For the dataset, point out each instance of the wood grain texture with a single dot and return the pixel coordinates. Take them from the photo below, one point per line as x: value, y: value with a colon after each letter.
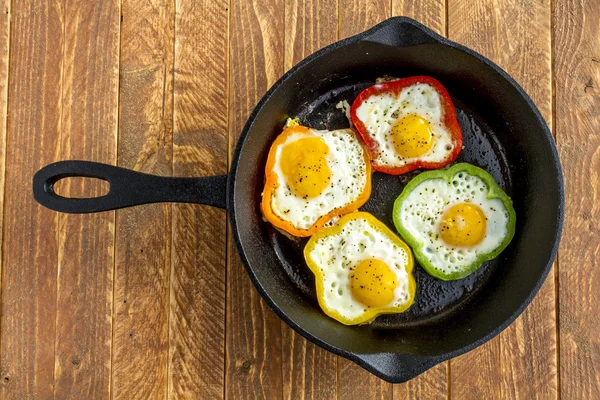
x: 355, y: 382
x: 200, y: 147
x: 308, y: 27
x: 356, y: 16
x: 521, y: 362
x: 432, y: 384
x: 143, y: 234
x: 5, y: 17
x: 309, y: 372
x: 5, y: 22
x: 86, y: 242
x: 30, y: 231
x: 253, y: 341
x: 577, y: 107
x: 431, y: 13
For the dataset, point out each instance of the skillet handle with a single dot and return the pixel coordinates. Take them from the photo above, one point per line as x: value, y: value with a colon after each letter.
x: 127, y: 188
x: 395, y: 368
x: 401, y: 32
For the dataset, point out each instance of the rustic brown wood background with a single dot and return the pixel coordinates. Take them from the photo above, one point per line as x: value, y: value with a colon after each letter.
x: 152, y: 302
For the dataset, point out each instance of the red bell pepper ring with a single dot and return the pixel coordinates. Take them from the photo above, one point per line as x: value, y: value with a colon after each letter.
x: 395, y: 87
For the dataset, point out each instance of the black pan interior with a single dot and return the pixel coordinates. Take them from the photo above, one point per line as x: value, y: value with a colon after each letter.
x: 502, y: 133
x: 435, y: 298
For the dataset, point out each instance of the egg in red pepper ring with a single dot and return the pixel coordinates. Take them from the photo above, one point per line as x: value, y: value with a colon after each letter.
x: 407, y: 124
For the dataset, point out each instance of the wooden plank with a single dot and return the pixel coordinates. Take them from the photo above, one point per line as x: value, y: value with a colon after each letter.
x: 354, y: 382
x: 308, y: 27
x: 200, y: 142
x: 143, y: 234
x: 86, y: 242
x: 433, y: 383
x: 355, y: 16
x: 5, y: 20
x: 30, y: 231
x: 577, y: 107
x: 309, y: 372
x: 428, y: 12
x: 357, y: 383
x: 253, y: 336
x: 521, y: 362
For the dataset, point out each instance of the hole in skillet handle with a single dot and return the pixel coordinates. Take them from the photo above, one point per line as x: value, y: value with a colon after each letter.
x: 127, y: 188
x: 401, y: 32
x: 81, y: 188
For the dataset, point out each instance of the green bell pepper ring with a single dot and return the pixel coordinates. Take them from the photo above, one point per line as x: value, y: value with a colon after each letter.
x: 448, y: 175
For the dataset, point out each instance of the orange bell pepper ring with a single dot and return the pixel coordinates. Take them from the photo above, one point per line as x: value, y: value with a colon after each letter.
x: 303, y: 170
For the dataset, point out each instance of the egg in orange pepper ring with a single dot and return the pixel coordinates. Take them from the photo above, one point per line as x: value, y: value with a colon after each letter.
x: 312, y: 176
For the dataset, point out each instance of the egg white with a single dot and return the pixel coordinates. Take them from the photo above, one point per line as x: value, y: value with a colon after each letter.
x: 337, y: 256
x: 346, y: 161
x: 380, y: 112
x: 422, y: 210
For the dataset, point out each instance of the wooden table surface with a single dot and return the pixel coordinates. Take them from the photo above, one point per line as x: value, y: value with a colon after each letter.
x: 152, y: 301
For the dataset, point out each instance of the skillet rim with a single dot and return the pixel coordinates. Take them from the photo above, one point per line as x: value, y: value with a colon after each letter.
x: 419, y: 363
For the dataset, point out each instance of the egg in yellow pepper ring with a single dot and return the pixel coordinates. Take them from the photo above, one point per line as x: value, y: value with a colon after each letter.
x: 362, y: 269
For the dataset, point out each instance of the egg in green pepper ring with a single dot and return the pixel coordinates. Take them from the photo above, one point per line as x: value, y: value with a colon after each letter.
x: 454, y: 220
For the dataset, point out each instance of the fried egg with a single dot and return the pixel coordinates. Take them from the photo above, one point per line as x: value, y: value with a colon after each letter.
x: 362, y: 269
x: 409, y: 127
x: 313, y: 176
x: 455, y: 220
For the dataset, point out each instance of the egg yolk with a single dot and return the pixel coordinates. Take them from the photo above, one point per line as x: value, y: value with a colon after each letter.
x: 305, y: 167
x: 412, y: 136
x: 373, y: 283
x: 463, y: 225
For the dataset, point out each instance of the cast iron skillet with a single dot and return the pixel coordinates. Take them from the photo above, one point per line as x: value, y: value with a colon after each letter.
x: 504, y: 133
